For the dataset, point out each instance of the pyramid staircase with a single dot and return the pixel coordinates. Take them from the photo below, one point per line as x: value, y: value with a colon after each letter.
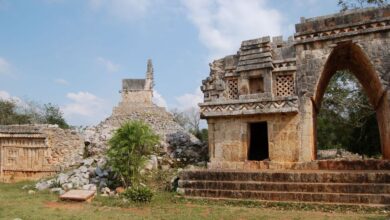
x: 369, y: 185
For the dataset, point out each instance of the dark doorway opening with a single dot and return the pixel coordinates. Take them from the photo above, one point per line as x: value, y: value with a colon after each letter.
x: 258, y: 147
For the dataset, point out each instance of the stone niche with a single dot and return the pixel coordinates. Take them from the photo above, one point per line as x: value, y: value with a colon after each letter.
x: 261, y: 104
x: 30, y: 152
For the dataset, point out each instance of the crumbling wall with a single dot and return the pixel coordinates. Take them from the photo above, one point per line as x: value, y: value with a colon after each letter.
x: 34, y: 151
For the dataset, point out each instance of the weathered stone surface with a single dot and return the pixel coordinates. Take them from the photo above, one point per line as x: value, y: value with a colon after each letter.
x: 177, y: 148
x: 34, y: 151
x: 362, y: 187
x: 282, y: 83
x: 78, y: 195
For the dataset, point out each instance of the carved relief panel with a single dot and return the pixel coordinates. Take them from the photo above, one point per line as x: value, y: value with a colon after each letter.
x: 23, y: 154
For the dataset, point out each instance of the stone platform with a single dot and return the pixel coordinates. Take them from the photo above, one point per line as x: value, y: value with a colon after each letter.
x: 362, y: 186
x: 370, y: 164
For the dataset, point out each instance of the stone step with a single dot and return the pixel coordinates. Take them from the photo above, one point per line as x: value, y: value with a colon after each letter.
x: 365, y: 188
x: 291, y: 196
x: 312, y: 176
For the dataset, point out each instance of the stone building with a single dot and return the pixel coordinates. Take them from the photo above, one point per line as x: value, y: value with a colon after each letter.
x: 35, y: 151
x: 261, y: 103
x: 261, y: 106
x: 136, y: 93
x: 136, y: 104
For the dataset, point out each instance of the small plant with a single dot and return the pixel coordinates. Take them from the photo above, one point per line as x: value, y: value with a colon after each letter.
x: 55, y: 184
x: 130, y: 146
x: 138, y: 194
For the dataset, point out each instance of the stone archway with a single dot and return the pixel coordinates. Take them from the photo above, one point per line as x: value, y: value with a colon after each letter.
x: 349, y: 56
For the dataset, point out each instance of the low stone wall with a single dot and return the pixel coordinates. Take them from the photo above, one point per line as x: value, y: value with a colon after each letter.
x: 35, y: 151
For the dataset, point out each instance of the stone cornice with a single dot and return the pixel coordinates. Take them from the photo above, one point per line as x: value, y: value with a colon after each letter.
x: 249, y: 107
x: 340, y: 32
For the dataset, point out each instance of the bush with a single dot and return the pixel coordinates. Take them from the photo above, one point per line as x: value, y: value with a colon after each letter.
x: 130, y: 146
x: 138, y: 194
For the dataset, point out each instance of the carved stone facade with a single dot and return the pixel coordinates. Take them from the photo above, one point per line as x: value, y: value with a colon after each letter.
x: 34, y: 151
x: 270, y: 92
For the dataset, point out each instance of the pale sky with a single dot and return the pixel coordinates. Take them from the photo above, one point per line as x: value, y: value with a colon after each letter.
x: 74, y: 53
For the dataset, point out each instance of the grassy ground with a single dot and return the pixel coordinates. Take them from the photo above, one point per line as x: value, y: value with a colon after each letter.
x: 17, y: 203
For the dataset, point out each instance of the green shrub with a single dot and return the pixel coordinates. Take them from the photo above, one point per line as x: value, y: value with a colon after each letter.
x: 138, y: 194
x: 130, y: 146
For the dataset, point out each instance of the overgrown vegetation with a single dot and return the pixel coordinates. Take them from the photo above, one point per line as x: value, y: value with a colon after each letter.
x: 129, y: 148
x: 13, y: 112
x: 351, y: 4
x: 346, y: 119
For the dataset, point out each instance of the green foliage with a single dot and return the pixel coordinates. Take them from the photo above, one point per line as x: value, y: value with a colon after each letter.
x: 53, y: 115
x: 201, y: 134
x: 351, y: 4
x: 138, y: 194
x: 130, y: 146
x: 346, y: 118
x: 190, y: 120
x: 29, y: 113
x: 9, y: 114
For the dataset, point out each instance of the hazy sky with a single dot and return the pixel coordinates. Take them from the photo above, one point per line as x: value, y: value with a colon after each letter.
x: 74, y: 53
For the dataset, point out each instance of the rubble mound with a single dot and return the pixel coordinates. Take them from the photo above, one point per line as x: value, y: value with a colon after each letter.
x: 177, y: 149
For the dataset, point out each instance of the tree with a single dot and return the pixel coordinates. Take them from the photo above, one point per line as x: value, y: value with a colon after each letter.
x: 180, y: 118
x: 190, y: 120
x: 129, y: 148
x: 351, y: 4
x: 30, y: 112
x: 193, y: 120
x: 9, y: 114
x: 53, y: 115
x: 346, y: 119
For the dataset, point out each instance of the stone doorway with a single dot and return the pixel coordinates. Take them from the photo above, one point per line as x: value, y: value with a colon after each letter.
x: 258, y: 144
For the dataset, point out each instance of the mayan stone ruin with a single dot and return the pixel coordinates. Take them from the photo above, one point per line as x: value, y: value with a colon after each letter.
x: 261, y: 105
x: 177, y: 147
x: 35, y: 151
x: 136, y: 104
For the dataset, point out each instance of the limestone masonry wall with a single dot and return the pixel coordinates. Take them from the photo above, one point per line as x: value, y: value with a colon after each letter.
x: 34, y: 151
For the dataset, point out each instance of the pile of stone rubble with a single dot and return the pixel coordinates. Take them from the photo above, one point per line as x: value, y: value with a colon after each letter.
x: 337, y: 154
x: 177, y: 149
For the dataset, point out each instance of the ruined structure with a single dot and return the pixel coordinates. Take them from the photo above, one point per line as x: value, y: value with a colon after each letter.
x: 136, y: 104
x: 34, y: 151
x: 136, y: 93
x: 261, y: 104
